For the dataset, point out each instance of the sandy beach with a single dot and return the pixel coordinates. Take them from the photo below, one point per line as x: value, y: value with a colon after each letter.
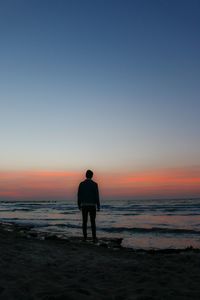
x: 52, y: 269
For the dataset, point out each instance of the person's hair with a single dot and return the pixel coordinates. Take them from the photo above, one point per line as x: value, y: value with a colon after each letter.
x: 89, y: 174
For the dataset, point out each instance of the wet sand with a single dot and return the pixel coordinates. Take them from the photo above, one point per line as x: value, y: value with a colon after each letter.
x: 52, y: 269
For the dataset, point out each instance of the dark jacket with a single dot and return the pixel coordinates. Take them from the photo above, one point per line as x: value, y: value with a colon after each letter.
x: 88, y: 194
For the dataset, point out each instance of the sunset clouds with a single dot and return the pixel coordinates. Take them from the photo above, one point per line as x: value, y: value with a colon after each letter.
x: 38, y: 185
x: 61, y: 185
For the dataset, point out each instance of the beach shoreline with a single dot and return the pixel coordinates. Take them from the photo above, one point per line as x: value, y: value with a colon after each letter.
x: 149, y: 225
x: 29, y: 232
x: 53, y: 269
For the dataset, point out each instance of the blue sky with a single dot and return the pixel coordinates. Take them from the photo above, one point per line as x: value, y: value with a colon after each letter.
x: 110, y: 85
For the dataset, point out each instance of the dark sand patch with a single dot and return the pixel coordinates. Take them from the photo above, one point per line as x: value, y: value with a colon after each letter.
x: 55, y: 269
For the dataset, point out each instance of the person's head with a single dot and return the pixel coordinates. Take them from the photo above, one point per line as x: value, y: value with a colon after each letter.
x: 89, y: 174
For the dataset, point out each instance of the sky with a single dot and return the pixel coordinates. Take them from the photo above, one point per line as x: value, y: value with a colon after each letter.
x: 109, y: 85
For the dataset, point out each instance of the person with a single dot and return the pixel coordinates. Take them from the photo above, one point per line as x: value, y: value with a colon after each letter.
x: 88, y: 201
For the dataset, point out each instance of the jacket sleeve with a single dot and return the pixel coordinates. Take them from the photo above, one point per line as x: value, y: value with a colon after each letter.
x: 97, y: 197
x: 79, y: 196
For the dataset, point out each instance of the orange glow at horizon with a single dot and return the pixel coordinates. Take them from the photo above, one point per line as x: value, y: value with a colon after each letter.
x: 55, y: 185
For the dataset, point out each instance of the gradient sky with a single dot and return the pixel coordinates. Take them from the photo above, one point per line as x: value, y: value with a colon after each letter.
x: 111, y: 85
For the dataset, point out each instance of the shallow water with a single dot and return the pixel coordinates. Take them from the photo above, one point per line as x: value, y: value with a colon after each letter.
x: 147, y: 224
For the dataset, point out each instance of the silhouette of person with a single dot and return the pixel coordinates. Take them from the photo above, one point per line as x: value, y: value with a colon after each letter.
x: 88, y: 201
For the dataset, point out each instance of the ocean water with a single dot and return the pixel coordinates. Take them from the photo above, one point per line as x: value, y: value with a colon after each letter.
x: 142, y: 224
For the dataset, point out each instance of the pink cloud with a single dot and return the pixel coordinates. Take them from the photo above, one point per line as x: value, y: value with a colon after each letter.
x: 177, y: 182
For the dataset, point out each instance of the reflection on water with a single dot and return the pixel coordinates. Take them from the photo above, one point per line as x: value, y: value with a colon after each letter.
x: 161, y: 242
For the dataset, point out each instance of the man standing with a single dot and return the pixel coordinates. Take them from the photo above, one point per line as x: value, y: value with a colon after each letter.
x: 88, y: 201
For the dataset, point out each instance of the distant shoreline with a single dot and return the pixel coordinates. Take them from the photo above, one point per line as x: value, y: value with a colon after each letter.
x: 103, y: 201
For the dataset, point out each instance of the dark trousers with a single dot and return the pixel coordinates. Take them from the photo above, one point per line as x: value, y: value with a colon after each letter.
x: 91, y: 210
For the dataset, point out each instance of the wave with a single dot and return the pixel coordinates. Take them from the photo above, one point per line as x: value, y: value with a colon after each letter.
x: 20, y: 209
x: 67, y: 225
x: 150, y: 230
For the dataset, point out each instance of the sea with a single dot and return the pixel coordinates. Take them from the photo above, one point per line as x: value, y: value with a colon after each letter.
x: 141, y: 224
